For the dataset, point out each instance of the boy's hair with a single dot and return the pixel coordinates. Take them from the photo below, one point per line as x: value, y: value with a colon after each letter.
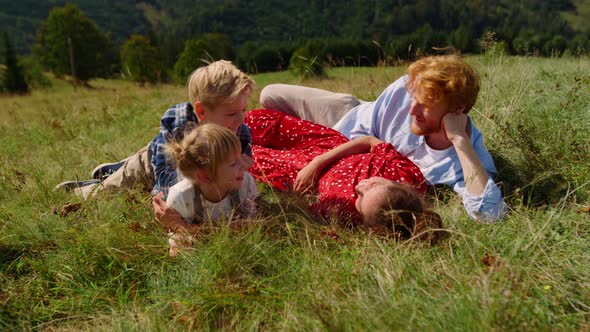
x: 445, y: 77
x: 205, y: 146
x: 217, y: 83
x: 404, y: 213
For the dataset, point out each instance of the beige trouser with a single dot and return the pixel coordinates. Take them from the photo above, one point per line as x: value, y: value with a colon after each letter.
x: 136, y: 172
x: 315, y: 105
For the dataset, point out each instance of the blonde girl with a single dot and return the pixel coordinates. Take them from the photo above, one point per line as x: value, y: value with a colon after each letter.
x: 215, y: 186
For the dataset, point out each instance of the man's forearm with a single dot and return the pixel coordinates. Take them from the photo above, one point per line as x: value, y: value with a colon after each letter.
x: 474, y: 173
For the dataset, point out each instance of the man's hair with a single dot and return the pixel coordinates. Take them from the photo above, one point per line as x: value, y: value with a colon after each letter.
x: 445, y: 77
x: 205, y: 147
x: 404, y: 214
x: 217, y: 83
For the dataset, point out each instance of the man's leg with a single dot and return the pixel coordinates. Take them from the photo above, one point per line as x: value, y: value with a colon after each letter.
x: 315, y: 105
x: 136, y: 171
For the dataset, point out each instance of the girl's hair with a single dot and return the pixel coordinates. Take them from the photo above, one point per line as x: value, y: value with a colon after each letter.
x: 217, y: 83
x: 445, y: 77
x: 404, y: 213
x: 205, y: 146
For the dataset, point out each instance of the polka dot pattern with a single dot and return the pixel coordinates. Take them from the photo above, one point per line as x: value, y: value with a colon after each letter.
x: 282, y: 145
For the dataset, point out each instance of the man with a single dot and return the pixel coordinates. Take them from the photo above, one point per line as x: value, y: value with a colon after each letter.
x: 424, y: 114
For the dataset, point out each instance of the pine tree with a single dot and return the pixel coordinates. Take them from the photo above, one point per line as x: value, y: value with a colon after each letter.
x: 14, y: 77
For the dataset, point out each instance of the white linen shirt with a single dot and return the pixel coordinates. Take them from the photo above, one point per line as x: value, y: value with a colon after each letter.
x: 181, y: 198
x: 388, y: 118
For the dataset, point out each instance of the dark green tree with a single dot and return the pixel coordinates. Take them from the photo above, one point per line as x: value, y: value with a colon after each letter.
x: 14, y: 79
x: 68, y: 37
x: 140, y: 61
x: 197, y: 53
x: 307, y: 61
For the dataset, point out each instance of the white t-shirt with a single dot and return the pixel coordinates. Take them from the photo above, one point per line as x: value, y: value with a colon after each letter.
x: 181, y: 198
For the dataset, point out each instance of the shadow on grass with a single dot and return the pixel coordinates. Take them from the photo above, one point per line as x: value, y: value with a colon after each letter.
x: 529, y: 184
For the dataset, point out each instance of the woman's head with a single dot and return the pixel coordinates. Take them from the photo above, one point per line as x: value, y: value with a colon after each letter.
x: 397, y: 207
x: 209, y: 148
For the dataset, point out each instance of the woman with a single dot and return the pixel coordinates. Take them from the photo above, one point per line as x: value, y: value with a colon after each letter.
x: 357, y: 181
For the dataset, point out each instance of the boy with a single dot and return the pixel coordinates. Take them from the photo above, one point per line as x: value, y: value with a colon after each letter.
x: 218, y: 94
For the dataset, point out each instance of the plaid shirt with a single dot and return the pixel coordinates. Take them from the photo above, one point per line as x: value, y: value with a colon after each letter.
x: 173, y: 125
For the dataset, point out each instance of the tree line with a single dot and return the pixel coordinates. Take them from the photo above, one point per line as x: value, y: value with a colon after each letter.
x: 170, y: 39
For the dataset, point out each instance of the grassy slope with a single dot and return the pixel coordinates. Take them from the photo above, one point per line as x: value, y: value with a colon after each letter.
x: 106, y: 266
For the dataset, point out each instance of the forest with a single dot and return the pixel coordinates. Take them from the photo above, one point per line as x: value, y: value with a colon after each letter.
x: 271, y: 35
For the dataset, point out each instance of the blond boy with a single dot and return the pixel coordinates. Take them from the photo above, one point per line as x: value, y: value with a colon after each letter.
x: 218, y: 94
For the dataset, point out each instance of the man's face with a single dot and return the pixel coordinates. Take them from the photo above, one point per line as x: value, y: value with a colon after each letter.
x: 426, y: 115
x: 229, y: 115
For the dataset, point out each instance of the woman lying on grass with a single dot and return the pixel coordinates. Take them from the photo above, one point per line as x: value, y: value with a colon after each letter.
x: 360, y: 182
x: 215, y: 186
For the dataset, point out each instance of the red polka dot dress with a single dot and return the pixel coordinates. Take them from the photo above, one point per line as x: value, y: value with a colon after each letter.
x: 282, y: 145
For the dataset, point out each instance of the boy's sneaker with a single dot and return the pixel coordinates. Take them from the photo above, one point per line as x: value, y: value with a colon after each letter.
x: 103, y: 171
x: 71, y: 185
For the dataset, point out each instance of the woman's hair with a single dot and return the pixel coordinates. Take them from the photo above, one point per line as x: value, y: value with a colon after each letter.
x: 217, y: 83
x: 404, y: 213
x: 445, y: 77
x: 205, y: 146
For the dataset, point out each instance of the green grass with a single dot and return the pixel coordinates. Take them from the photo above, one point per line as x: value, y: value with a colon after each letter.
x: 105, y: 266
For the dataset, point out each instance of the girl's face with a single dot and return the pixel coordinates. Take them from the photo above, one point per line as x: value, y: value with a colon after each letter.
x: 371, y: 195
x: 230, y: 174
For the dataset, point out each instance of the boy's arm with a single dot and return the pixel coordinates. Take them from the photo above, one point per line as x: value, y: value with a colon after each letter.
x: 308, y: 176
x: 164, y: 171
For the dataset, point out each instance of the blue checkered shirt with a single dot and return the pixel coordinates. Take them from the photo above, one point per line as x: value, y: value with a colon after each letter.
x: 173, y: 125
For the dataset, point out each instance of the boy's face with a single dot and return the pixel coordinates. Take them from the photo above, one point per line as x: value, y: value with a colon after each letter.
x: 229, y: 115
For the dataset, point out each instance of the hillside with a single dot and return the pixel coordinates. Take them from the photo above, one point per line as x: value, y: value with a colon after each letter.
x: 172, y: 22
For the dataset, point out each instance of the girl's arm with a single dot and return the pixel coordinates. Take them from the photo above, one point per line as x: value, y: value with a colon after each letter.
x: 308, y: 176
x: 170, y: 218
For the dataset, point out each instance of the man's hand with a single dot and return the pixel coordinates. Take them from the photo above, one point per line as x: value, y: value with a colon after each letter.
x: 455, y: 125
x: 166, y: 215
x: 475, y: 175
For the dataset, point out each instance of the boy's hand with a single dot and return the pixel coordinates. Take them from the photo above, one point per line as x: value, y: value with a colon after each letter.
x: 247, y: 162
x: 166, y: 215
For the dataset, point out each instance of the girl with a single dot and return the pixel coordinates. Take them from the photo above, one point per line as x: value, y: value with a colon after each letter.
x: 364, y: 181
x: 215, y: 185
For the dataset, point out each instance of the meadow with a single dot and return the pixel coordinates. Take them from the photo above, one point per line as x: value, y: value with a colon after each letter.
x: 104, y: 264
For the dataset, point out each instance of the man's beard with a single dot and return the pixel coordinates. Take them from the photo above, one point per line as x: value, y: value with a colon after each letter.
x: 423, y: 130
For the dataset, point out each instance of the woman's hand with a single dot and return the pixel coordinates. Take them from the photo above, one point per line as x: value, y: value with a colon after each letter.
x: 307, y: 178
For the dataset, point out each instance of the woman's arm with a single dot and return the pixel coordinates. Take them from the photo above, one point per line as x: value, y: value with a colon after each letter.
x: 308, y: 176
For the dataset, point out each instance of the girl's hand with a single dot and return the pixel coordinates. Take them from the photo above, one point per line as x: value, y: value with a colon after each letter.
x: 166, y: 215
